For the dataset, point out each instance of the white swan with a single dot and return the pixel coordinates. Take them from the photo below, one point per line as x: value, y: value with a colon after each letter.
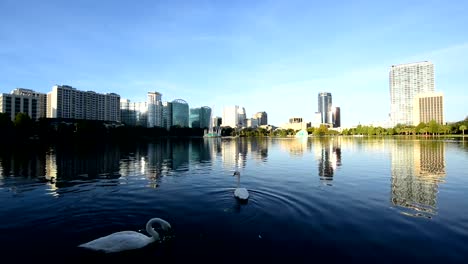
x: 127, y: 240
x: 240, y: 193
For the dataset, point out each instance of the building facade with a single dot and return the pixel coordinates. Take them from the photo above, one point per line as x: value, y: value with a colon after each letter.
x: 15, y: 103
x: 406, y: 81
x: 180, y: 113
x: 134, y: 114
x: 325, y: 107
x: 230, y: 116
x: 336, y: 117
x: 167, y: 115
x: 427, y: 107
x: 155, y: 109
x: 262, y: 118
x: 67, y: 102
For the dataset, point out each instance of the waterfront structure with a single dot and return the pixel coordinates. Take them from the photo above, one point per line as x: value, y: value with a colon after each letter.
x: 67, y: 102
x: 134, y: 114
x: 167, y: 114
x: 25, y: 101
x: 155, y: 109
x: 262, y: 118
x: 428, y: 106
x: 180, y: 113
x: 406, y: 81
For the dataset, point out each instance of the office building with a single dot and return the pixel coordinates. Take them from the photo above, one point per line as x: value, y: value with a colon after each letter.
x: 167, y: 114
x: 134, y: 114
x: 325, y: 107
x: 336, y: 117
x: 217, y: 121
x: 22, y: 101
x: 200, y: 117
x: 67, y: 102
x: 262, y: 118
x: 428, y: 106
x: 406, y: 81
x: 180, y: 113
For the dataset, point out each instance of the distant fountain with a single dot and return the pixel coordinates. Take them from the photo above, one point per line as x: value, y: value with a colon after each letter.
x: 212, y: 132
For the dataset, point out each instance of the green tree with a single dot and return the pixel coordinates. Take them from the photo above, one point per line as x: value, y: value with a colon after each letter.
x: 433, y: 127
x: 463, y: 128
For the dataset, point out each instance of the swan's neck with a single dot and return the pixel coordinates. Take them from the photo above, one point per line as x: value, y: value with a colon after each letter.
x: 238, y: 181
x: 151, y: 231
x: 149, y: 227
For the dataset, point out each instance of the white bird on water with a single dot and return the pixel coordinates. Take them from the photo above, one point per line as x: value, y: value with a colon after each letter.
x: 240, y: 193
x: 127, y: 240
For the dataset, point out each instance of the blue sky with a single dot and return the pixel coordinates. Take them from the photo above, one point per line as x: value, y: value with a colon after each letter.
x: 272, y: 56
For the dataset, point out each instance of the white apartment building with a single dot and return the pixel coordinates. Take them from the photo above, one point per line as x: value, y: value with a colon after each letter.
x: 67, y: 102
x: 234, y: 116
x: 428, y: 106
x: 406, y: 81
x: 155, y: 109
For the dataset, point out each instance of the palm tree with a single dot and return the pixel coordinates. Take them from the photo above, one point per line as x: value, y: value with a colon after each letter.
x: 463, y: 128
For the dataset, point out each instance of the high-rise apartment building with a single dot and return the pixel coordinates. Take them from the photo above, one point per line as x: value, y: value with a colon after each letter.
x: 155, y: 109
x: 67, y: 102
x: 42, y: 99
x: 428, y: 106
x: 22, y: 101
x: 406, y: 81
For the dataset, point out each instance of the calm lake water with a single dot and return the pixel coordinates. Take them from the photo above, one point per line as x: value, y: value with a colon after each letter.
x: 316, y: 200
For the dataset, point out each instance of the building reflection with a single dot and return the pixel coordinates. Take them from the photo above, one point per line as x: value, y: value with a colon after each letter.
x: 328, y: 154
x: 295, y: 146
x: 234, y: 154
x: 417, y: 168
x: 258, y: 149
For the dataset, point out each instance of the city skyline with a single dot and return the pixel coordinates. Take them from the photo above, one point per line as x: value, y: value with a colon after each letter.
x: 259, y: 55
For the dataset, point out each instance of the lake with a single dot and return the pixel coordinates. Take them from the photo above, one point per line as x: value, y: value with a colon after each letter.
x: 314, y: 200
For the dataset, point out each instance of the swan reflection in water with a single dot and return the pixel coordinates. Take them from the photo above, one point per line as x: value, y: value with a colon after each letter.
x: 127, y: 240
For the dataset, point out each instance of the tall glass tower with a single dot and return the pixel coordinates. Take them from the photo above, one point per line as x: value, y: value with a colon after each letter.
x: 325, y: 107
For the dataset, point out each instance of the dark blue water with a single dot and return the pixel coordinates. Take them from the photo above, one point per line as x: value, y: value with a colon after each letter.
x: 332, y: 200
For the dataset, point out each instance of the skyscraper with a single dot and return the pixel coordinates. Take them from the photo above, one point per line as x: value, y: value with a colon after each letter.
x: 325, y: 107
x: 200, y: 117
x: 427, y: 107
x: 180, y: 113
x: 336, y: 117
x: 155, y: 109
x: 230, y: 116
x: 262, y: 118
x: 406, y: 81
